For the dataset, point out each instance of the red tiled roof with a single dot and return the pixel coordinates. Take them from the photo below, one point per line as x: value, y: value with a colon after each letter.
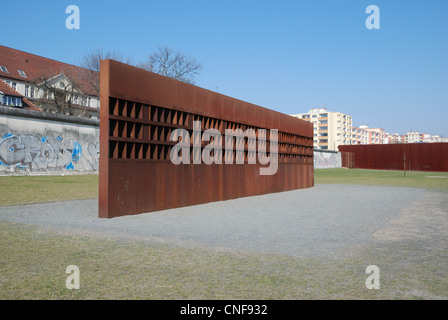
x: 36, y: 66
x: 7, y: 90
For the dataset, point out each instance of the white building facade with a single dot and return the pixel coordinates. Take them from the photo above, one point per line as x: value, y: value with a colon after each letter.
x: 331, y: 129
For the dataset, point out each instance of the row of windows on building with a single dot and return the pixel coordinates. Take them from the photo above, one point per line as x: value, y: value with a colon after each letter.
x: 12, y: 101
x: 30, y: 93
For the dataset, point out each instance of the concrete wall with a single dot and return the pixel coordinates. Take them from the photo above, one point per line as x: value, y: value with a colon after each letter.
x: 34, y: 142
x: 324, y: 159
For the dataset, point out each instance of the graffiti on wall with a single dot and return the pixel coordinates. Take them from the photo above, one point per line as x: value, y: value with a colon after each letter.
x: 324, y: 160
x: 31, y: 152
x: 93, y: 155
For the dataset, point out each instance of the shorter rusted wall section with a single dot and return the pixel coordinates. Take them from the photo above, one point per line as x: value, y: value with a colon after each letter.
x: 140, y: 110
x: 406, y: 156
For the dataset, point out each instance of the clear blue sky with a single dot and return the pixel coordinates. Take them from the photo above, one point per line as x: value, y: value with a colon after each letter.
x: 284, y: 55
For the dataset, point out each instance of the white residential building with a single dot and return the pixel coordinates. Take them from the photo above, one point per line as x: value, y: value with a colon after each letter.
x: 331, y: 129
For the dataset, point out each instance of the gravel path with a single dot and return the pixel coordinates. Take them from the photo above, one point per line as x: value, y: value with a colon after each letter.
x: 321, y: 221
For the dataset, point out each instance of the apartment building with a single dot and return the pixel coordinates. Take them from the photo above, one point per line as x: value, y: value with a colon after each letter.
x: 414, y: 137
x: 394, y: 138
x: 360, y: 136
x: 41, y: 81
x: 365, y: 135
x: 428, y: 138
x: 331, y: 129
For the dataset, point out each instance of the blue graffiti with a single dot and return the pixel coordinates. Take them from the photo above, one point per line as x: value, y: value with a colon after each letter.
x: 20, y: 166
x: 6, y: 135
x: 70, y: 166
x: 77, y: 152
x: 27, y: 151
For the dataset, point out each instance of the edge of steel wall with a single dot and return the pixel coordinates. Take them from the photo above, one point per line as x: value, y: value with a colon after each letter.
x: 419, y: 156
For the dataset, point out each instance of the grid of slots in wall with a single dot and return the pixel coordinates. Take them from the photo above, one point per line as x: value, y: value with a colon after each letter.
x: 143, y: 132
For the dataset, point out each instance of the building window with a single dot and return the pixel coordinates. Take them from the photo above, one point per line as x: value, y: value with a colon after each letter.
x: 3, y: 68
x: 89, y: 101
x: 27, y: 89
x: 14, y: 85
x: 12, y: 101
x: 22, y: 73
x: 32, y: 92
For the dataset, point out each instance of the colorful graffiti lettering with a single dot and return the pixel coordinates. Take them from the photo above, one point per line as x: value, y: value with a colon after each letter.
x: 27, y: 151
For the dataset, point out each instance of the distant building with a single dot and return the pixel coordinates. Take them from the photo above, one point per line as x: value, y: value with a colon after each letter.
x: 365, y: 135
x: 394, y: 138
x: 331, y: 129
x: 414, y: 137
x: 11, y: 98
x: 360, y: 136
x: 434, y: 138
x: 48, y: 83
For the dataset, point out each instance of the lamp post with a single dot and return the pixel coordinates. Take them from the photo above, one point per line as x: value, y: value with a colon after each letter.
x: 404, y: 164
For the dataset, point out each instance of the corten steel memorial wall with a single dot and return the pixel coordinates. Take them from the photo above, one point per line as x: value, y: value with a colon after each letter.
x: 139, y: 112
x: 406, y: 156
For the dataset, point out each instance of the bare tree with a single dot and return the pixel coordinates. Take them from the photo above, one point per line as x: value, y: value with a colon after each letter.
x: 91, y: 63
x: 172, y: 64
x: 57, y: 97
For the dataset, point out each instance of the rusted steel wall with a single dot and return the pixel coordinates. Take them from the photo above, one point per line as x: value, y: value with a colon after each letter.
x: 347, y: 160
x: 140, y: 110
x: 419, y: 156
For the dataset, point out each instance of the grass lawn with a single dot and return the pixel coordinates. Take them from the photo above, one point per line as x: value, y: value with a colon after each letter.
x: 38, y: 189
x: 33, y: 261
x: 413, y: 179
